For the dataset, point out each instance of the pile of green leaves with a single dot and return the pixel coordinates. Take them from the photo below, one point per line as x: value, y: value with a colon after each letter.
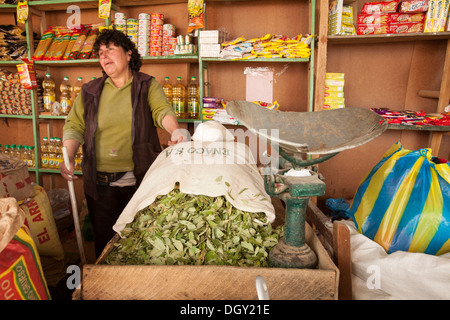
x: 184, y: 229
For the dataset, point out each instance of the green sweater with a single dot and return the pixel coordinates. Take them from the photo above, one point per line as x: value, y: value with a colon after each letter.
x: 113, y: 135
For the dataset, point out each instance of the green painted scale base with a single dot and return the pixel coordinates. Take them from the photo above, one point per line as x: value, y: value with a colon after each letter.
x: 292, y: 250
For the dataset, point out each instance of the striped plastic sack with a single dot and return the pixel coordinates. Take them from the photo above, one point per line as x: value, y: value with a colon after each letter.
x: 404, y: 202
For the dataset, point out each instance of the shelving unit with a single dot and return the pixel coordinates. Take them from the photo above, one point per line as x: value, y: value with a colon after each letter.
x: 436, y: 132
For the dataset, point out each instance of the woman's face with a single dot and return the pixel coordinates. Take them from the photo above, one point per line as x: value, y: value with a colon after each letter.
x: 114, y: 60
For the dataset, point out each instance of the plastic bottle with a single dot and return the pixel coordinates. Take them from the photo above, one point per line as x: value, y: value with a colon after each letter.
x: 179, y: 99
x: 51, y: 153
x: 27, y: 156
x: 12, y: 150
x: 66, y: 96
x: 1, y: 149
x: 193, y: 99
x: 78, y: 158
x: 6, y: 149
x: 33, y: 157
x: 49, y: 97
x: 19, y: 153
x: 77, y: 87
x: 58, y: 152
x: 168, y: 90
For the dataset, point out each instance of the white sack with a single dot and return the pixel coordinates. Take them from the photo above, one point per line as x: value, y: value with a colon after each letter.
x: 210, y: 168
x: 399, y: 275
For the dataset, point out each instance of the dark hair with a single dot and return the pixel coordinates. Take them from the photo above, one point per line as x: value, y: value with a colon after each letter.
x: 119, y: 39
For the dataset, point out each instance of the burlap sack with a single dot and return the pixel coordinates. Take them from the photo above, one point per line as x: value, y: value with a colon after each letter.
x: 14, y: 178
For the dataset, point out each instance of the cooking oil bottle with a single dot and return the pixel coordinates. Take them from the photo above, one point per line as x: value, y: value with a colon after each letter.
x: 77, y: 87
x: 168, y: 90
x: 66, y: 96
x: 49, y: 96
x: 179, y: 99
x: 193, y: 99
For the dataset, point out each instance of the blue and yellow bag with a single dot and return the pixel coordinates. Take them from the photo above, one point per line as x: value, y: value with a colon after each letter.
x: 404, y: 202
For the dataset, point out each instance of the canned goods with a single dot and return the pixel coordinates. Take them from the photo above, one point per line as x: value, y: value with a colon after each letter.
x: 157, y: 15
x: 144, y: 16
x: 156, y: 38
x: 132, y: 21
x: 120, y: 21
x: 120, y: 15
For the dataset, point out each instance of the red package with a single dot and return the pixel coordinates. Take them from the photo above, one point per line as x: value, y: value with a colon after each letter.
x: 406, y: 17
x: 375, y: 18
x: 27, y: 74
x: 379, y: 7
x: 406, y: 27
x: 411, y: 6
x: 365, y: 29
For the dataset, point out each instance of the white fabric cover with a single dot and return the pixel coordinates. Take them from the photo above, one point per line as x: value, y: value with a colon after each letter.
x: 210, y: 168
x: 395, y: 276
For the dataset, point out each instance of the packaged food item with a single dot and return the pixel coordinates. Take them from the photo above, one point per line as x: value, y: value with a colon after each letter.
x: 73, y: 40
x: 406, y: 17
x: 436, y: 16
x: 412, y: 6
x: 374, y: 18
x: 88, y: 45
x: 43, y: 45
x: 78, y: 45
x: 22, y: 11
x: 104, y: 9
x: 379, y: 7
x: 27, y: 74
x: 52, y: 49
x: 365, y: 29
x: 61, y: 47
x: 195, y: 15
x: 406, y: 27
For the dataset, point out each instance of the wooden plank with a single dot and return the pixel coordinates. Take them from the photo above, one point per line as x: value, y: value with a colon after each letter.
x: 342, y: 257
x: 444, y: 97
x: 321, y: 65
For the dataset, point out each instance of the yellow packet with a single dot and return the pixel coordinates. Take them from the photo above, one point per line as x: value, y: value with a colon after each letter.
x: 22, y: 11
x: 104, y: 9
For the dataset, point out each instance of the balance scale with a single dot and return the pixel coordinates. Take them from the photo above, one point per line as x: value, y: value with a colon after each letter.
x: 303, y: 139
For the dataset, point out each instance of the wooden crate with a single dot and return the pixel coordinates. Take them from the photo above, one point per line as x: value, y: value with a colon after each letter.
x: 150, y: 282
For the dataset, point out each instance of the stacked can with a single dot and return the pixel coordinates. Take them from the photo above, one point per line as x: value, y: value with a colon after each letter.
x: 169, y: 40
x: 132, y: 30
x: 156, y: 34
x: 144, y: 34
x: 120, y: 22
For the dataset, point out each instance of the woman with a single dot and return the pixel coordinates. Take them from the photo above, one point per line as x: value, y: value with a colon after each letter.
x: 115, y: 119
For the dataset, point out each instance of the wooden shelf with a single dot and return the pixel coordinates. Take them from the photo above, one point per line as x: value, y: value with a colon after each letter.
x: 419, y: 128
x: 377, y: 38
x: 17, y: 116
x: 257, y: 60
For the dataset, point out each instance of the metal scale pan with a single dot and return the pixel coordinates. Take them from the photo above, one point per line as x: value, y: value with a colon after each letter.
x: 296, y: 134
x: 320, y: 132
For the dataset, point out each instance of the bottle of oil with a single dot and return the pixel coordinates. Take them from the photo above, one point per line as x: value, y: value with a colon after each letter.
x: 58, y: 152
x: 51, y: 153
x: 6, y: 149
x: 193, y: 99
x: 32, y: 155
x: 168, y: 90
x: 49, y: 97
x: 179, y: 99
x: 77, y: 87
x: 66, y: 96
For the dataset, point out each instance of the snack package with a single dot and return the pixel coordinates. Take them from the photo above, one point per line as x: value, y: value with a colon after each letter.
x: 104, y: 9
x: 22, y: 11
x: 379, y: 7
x: 407, y: 17
x: 413, y: 6
x: 43, y: 45
x: 196, y: 15
x: 27, y: 74
x: 406, y: 27
x: 365, y: 29
x: 374, y: 18
x: 436, y: 17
